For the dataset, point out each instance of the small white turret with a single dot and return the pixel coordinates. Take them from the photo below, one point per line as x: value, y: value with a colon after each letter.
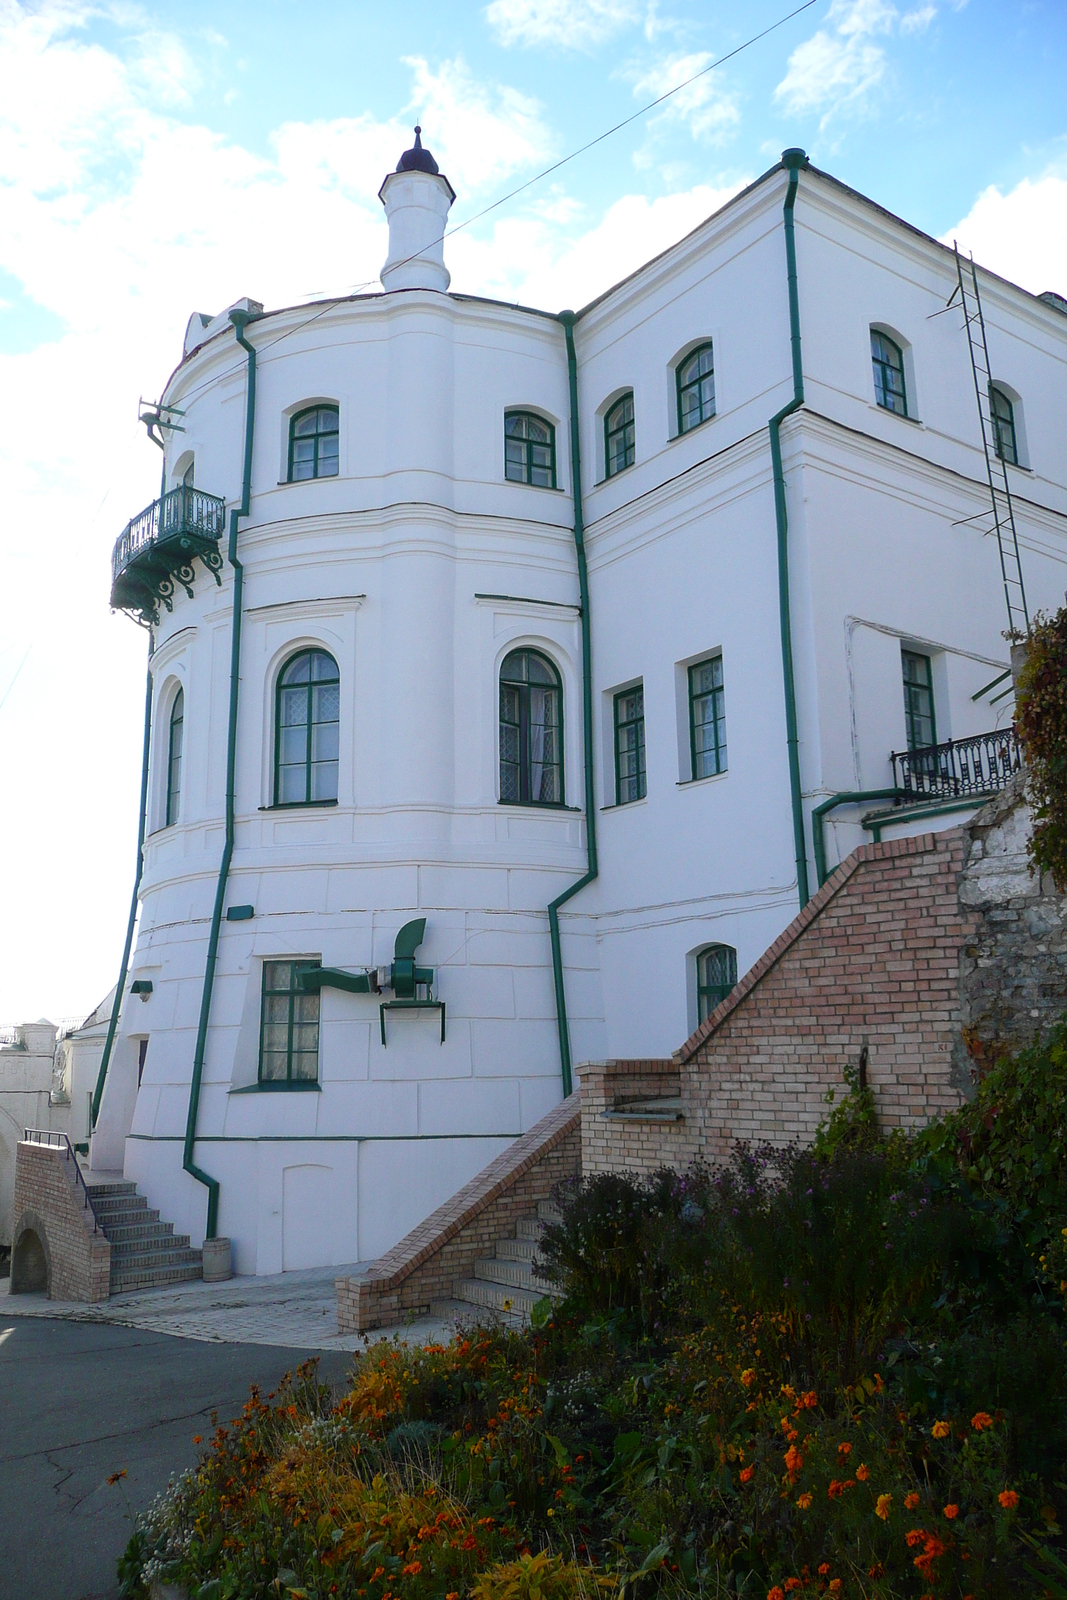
x: 416, y: 197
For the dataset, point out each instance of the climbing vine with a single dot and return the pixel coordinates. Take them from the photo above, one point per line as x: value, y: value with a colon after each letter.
x: 1041, y: 724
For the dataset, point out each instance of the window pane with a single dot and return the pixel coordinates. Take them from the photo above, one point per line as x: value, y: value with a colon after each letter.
x: 515, y: 425
x: 326, y: 702
x: 324, y: 780
x: 324, y: 741
x: 292, y: 746
x: 918, y: 700
x: 306, y: 424
x: 276, y: 975
x: 326, y: 420
x: 297, y: 671
x: 513, y: 669
x: 272, y: 1067
x: 538, y: 430
x: 328, y: 457
x: 292, y: 784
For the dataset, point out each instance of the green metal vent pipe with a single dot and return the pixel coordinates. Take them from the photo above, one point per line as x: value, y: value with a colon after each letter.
x: 240, y: 320
x: 792, y: 161
x: 567, y: 319
x: 109, y: 1042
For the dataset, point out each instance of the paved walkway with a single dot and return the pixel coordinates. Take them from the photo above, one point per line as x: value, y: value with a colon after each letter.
x: 297, y: 1310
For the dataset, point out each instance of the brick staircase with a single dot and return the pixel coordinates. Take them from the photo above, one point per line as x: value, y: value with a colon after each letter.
x: 145, y: 1253
x: 505, y: 1282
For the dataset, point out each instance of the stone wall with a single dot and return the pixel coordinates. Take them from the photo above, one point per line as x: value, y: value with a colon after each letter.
x: 1013, y: 969
x: 50, y: 1206
x: 426, y: 1263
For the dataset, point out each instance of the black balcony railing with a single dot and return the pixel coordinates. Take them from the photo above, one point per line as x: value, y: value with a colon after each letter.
x: 159, y: 546
x: 961, y: 767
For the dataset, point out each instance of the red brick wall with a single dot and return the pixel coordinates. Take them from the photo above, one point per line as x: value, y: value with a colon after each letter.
x: 610, y: 1145
x: 426, y: 1263
x: 48, y: 1200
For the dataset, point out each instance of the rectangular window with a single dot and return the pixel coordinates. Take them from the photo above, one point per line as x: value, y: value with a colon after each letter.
x: 289, y: 1027
x: 918, y: 700
x: 707, y: 718
x: 630, y: 745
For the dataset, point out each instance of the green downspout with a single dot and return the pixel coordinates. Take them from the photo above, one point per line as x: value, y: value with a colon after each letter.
x: 567, y: 319
x: 240, y: 320
x: 847, y: 797
x: 792, y: 160
x: 109, y: 1042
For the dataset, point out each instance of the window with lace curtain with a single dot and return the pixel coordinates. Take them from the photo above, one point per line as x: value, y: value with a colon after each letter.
x: 531, y: 730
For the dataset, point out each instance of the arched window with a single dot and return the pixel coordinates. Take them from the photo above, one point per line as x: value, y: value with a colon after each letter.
x: 619, y: 435
x: 529, y: 449
x: 313, y: 444
x: 696, y: 387
x: 1003, y: 425
x: 531, y: 730
x: 307, y: 721
x: 716, y: 976
x: 887, y: 359
x: 174, y: 757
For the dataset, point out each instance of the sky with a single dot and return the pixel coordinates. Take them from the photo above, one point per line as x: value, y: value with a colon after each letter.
x: 158, y: 161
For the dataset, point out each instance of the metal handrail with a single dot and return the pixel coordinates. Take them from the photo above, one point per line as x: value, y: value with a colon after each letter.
x: 182, y: 511
x: 978, y: 765
x: 55, y: 1140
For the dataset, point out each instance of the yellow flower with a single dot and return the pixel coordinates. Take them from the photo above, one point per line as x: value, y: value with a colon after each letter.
x: 941, y: 1430
x: 862, y: 1472
x: 804, y: 1501
x: 748, y: 1377
x: 882, y: 1506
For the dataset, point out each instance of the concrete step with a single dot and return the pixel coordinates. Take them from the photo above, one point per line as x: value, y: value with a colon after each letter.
x: 110, y: 1187
x: 514, y: 1274
x: 128, y: 1233
x: 119, y: 1205
x: 497, y: 1296
x: 156, y: 1278
x: 516, y: 1249
x: 129, y: 1258
x: 548, y: 1212
x: 529, y: 1228
x: 467, y: 1311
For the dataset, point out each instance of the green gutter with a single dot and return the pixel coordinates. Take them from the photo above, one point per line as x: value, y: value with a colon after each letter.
x: 109, y: 1042
x: 792, y: 160
x: 567, y: 319
x: 240, y: 320
x: 847, y: 797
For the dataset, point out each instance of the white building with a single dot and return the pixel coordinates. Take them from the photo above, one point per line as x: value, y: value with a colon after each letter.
x: 415, y: 713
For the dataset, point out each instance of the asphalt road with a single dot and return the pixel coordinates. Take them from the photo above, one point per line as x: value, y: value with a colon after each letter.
x: 79, y: 1401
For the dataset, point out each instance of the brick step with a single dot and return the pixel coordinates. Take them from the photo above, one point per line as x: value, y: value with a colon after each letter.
x: 128, y: 1233
x: 497, y: 1296
x: 107, y: 1190
x: 111, y: 1222
x: 156, y: 1278
x: 529, y: 1228
x: 515, y: 1274
x: 135, y: 1257
x: 119, y: 1205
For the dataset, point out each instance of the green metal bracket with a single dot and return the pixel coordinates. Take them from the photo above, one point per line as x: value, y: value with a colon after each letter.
x: 411, y: 1005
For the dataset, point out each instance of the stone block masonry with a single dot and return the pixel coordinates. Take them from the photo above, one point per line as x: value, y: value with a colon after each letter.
x: 426, y: 1263
x: 52, y: 1221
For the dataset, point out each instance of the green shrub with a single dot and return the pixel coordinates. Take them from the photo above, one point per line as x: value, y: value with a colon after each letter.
x: 1041, y: 724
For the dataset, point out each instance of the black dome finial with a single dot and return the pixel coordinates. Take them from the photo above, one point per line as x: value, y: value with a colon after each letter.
x: 417, y: 159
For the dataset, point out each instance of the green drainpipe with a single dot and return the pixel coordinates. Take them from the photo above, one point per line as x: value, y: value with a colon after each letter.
x: 240, y: 320
x: 847, y: 797
x: 109, y: 1042
x: 567, y: 319
x: 792, y: 160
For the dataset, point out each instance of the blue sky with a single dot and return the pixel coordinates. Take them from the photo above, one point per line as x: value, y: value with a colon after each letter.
x: 156, y: 161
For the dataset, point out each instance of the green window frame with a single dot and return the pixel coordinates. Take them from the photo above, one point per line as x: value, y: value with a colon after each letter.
x: 313, y: 443
x: 529, y: 449
x: 887, y: 360
x: 716, y: 977
x: 289, y: 1025
x: 707, y: 718
x: 629, y: 718
x: 919, y: 716
x: 175, y: 739
x: 531, y: 730
x: 620, y: 438
x: 307, y: 725
x: 1003, y: 415
x: 695, y: 380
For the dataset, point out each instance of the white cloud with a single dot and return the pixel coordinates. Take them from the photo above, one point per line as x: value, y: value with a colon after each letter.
x: 708, y: 109
x: 1021, y: 234
x: 574, y: 24
x: 841, y: 65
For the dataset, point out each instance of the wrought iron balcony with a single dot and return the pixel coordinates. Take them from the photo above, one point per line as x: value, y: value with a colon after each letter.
x: 158, y: 547
x: 961, y: 767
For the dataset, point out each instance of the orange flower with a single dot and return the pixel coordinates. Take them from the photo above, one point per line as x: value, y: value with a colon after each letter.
x: 791, y: 1584
x: 1008, y: 1499
x: 862, y: 1473
x: 952, y: 1512
x: 980, y: 1420
x: 412, y: 1569
x: 882, y: 1506
x: 844, y: 1449
x: 809, y: 1401
x: 914, y: 1536
x: 835, y: 1585
x: 836, y: 1489
x: 748, y: 1377
x: 804, y: 1501
x: 941, y: 1430
x: 794, y: 1461
x: 911, y: 1501
x: 824, y: 1569
x: 115, y: 1476
x: 746, y: 1473
x: 776, y: 1593
x: 875, y: 1571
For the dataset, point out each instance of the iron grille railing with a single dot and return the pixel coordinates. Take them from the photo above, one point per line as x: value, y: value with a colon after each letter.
x: 59, y: 1141
x: 181, y: 513
x: 959, y: 767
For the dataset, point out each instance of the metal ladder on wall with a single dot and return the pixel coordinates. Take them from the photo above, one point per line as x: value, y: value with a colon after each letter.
x: 999, y: 490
